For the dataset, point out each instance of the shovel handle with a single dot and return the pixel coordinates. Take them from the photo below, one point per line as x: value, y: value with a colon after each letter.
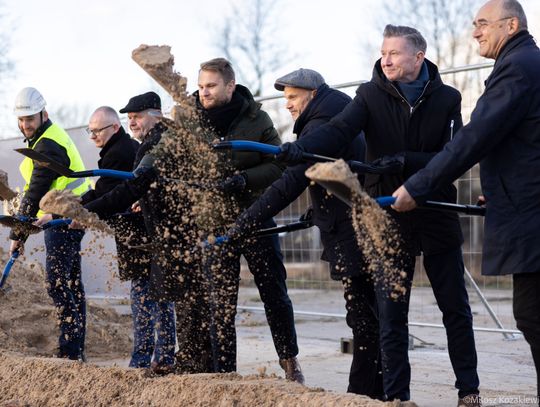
x: 245, y: 145
x: 8, y: 266
x: 441, y: 206
x: 55, y: 223
x: 103, y: 173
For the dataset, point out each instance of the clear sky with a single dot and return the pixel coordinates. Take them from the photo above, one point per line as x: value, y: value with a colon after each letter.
x: 79, y: 52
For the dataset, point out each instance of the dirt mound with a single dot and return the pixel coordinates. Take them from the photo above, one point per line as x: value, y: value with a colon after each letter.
x: 28, y: 321
x: 45, y: 382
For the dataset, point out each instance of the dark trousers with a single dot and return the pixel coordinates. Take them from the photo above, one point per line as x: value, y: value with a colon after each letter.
x: 346, y: 263
x: 206, y: 315
x: 265, y: 262
x: 365, y: 376
x: 446, y: 275
x: 65, y: 287
x: 527, y: 313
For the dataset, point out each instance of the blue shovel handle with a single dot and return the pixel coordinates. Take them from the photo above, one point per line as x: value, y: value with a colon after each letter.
x: 8, y: 266
x: 55, y: 223
x: 114, y: 174
x: 245, y: 145
x: 103, y: 173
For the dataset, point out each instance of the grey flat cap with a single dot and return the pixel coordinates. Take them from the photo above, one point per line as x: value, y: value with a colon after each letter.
x: 301, y: 78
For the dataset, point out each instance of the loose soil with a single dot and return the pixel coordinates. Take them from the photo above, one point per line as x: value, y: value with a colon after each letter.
x: 376, y: 234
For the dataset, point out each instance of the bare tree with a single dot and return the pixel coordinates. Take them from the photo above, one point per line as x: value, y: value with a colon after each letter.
x: 70, y: 115
x: 249, y: 39
x: 6, y: 63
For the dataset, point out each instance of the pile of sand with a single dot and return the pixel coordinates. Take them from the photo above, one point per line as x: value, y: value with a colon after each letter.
x: 28, y: 322
x: 43, y: 382
x: 376, y: 233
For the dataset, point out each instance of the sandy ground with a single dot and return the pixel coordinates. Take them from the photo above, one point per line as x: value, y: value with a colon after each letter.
x: 30, y: 376
x: 505, y: 367
x: 27, y: 331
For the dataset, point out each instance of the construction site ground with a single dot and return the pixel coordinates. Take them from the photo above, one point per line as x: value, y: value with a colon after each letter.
x: 505, y: 367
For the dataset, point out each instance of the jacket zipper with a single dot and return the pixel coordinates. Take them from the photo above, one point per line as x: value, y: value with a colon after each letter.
x: 418, y: 101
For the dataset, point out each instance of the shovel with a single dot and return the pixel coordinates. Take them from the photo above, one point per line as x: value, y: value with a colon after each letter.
x: 290, y: 227
x: 45, y: 161
x: 341, y: 183
x: 244, y: 145
x: 10, y: 221
x: 20, y: 224
x: 25, y: 225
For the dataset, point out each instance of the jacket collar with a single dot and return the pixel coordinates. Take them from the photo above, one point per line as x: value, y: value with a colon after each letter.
x: 516, y: 41
x: 39, y: 132
x: 113, y: 140
x: 311, y: 109
x: 380, y: 79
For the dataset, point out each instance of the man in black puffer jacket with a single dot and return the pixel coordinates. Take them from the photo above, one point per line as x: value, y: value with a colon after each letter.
x: 406, y: 110
x: 312, y: 103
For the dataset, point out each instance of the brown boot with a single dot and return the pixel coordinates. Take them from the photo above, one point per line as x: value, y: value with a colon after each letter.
x: 293, y: 372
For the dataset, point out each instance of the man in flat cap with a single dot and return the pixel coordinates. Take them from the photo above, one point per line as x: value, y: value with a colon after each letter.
x: 152, y: 311
x: 313, y: 103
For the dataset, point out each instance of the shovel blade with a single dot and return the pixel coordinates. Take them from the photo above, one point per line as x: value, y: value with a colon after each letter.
x: 19, y: 225
x: 45, y: 161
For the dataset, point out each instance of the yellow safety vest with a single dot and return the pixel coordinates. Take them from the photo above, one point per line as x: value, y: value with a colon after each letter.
x: 77, y: 185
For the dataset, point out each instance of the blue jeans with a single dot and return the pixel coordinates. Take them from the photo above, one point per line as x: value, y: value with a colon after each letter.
x: 65, y: 287
x: 150, y: 317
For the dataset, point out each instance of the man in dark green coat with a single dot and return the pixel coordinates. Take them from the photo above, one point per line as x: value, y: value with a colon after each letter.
x: 230, y: 111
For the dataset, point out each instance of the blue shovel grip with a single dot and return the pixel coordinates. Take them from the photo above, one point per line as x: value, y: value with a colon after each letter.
x: 385, y: 200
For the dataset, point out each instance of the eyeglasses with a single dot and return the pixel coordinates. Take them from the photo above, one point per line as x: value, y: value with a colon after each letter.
x: 481, y: 24
x: 96, y: 132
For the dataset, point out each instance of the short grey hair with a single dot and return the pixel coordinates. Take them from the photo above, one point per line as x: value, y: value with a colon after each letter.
x: 109, y: 113
x: 512, y: 8
x: 412, y: 35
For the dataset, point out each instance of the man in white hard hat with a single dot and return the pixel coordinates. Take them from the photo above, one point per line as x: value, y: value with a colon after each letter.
x: 63, y: 260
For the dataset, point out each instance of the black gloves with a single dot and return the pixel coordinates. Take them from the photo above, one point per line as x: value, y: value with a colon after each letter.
x: 390, y: 164
x: 234, y: 185
x: 291, y: 153
x: 385, y: 165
